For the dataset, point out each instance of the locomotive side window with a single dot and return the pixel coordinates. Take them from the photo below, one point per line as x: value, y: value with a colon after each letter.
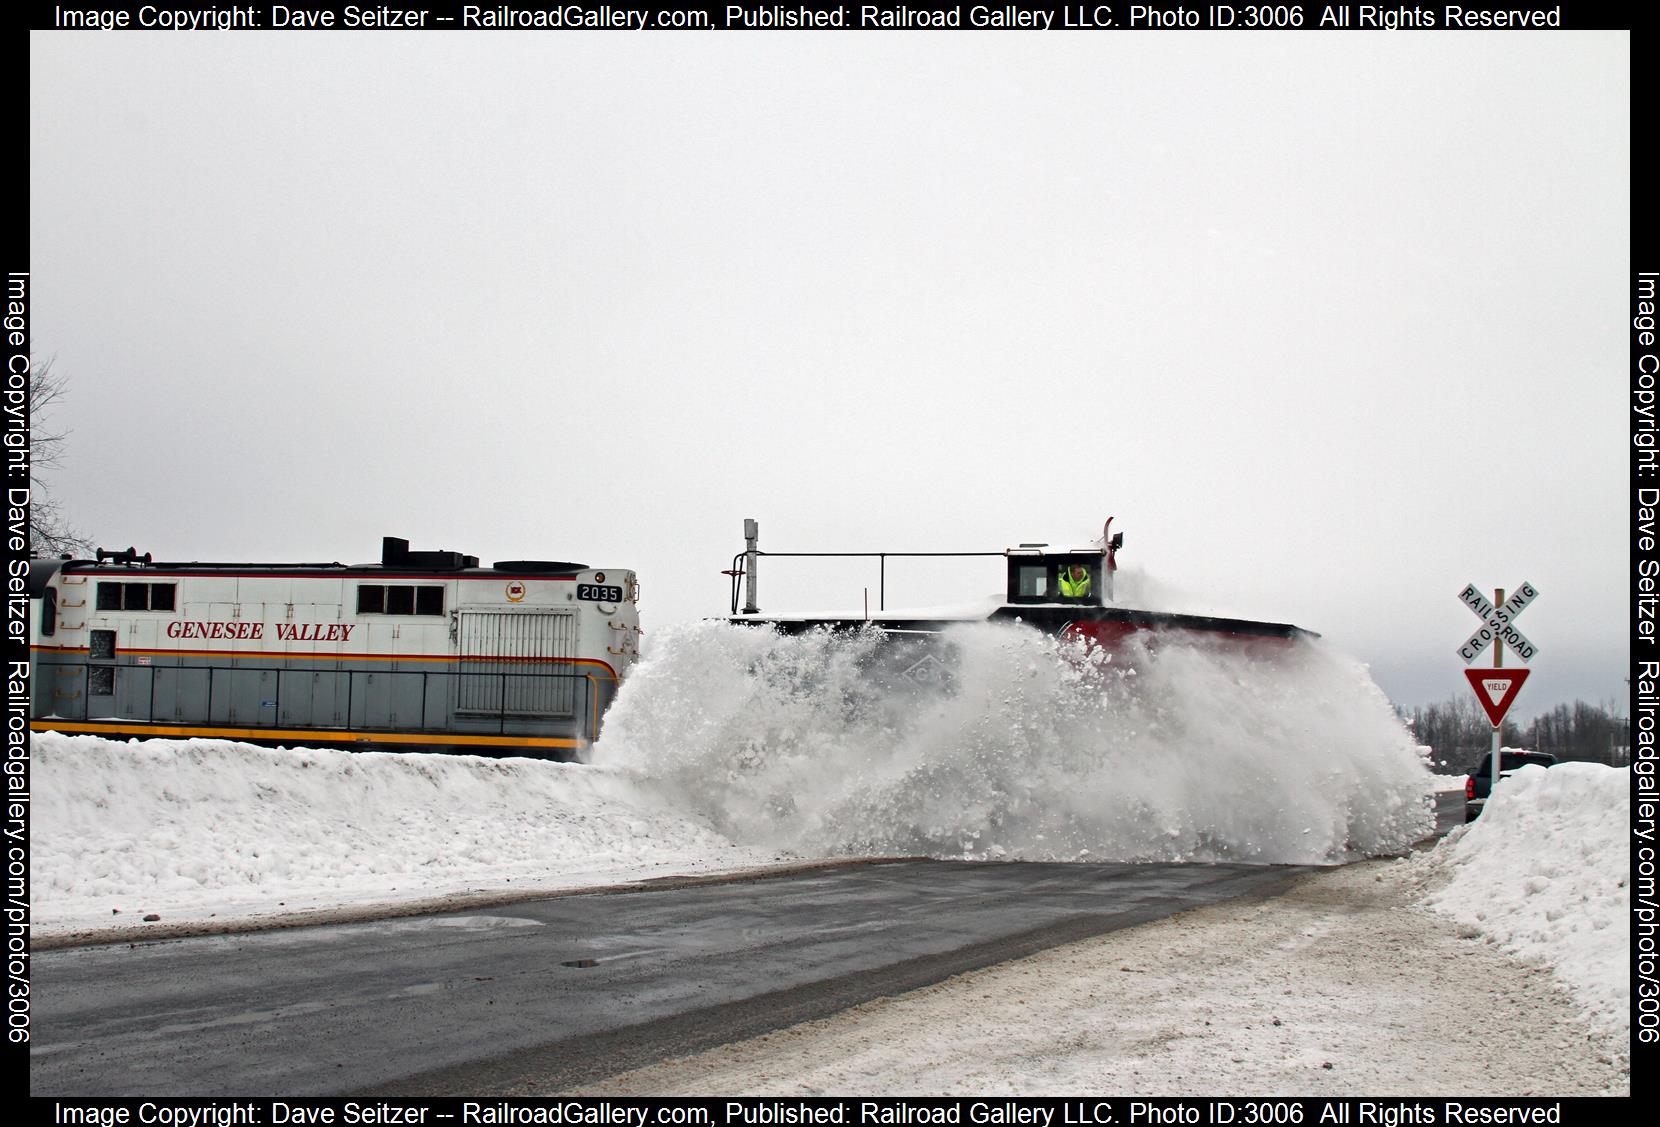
x: 136, y: 596
x: 399, y: 598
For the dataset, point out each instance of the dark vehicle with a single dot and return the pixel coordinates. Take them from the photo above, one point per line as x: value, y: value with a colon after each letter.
x: 1480, y: 784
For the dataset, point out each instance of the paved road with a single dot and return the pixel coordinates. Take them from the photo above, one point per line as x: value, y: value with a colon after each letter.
x: 1449, y: 810
x: 546, y: 994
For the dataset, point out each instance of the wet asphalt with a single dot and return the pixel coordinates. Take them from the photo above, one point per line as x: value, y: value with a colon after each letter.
x: 543, y: 995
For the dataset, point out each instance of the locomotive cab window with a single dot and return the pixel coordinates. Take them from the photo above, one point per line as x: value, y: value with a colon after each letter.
x: 400, y: 598
x: 136, y: 596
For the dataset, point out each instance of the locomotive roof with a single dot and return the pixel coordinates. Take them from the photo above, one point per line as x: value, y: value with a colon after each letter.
x: 396, y: 561
x: 550, y: 569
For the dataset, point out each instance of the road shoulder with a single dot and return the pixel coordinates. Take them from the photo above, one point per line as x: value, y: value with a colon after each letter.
x: 1342, y: 985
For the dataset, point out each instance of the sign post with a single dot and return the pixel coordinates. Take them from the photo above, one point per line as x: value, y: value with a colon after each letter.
x: 1496, y: 688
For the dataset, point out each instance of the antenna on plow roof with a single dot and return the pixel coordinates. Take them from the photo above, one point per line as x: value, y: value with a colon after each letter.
x: 1109, y: 547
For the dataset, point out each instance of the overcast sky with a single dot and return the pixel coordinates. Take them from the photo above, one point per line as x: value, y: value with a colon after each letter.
x: 1331, y: 324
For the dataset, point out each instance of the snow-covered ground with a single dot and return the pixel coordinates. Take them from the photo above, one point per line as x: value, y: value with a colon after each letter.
x: 211, y: 832
x: 731, y: 750
x: 1496, y: 963
x: 1544, y: 874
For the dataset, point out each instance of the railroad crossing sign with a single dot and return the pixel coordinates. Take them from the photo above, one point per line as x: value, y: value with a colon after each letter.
x: 1497, y: 624
x: 1496, y: 689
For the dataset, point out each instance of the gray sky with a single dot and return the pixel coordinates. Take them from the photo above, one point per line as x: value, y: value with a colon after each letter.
x: 1331, y: 323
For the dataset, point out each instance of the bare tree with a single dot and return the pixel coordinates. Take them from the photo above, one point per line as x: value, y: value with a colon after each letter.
x: 50, y: 533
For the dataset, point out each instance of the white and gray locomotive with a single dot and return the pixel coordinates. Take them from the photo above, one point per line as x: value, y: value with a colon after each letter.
x: 424, y: 650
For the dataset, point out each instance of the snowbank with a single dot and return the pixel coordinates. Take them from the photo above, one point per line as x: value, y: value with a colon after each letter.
x: 1545, y: 874
x: 193, y: 828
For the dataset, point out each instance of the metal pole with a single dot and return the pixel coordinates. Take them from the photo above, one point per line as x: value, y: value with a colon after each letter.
x: 882, y: 585
x: 752, y: 537
x: 1498, y: 663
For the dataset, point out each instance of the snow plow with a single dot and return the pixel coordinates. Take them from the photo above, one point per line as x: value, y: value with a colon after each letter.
x: 1067, y: 593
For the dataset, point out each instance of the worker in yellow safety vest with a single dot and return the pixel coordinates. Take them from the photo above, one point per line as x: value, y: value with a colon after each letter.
x: 1074, y: 581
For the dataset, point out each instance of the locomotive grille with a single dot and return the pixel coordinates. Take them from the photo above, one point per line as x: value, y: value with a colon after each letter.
x: 517, y: 663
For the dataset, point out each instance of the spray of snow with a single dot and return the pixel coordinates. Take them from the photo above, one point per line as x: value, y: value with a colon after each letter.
x: 1009, y: 744
x: 1545, y: 874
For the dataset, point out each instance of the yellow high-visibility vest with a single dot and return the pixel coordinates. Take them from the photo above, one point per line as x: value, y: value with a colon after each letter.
x: 1074, y: 588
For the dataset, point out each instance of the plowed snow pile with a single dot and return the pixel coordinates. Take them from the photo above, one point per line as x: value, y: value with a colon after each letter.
x: 1009, y: 744
x: 193, y: 828
x: 1544, y: 874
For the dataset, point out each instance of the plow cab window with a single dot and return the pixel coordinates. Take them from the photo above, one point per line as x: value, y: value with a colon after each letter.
x: 1032, y: 580
x: 1052, y: 579
x: 1078, y: 582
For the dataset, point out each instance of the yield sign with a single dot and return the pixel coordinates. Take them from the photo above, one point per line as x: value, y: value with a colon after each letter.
x: 1497, y: 623
x: 1496, y: 689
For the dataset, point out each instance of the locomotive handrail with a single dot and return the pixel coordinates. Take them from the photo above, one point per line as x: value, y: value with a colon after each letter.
x: 737, y: 571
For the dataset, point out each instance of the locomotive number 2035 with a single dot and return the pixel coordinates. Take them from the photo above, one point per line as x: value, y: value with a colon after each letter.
x: 599, y: 592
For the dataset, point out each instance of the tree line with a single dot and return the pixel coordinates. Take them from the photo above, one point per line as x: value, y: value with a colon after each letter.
x: 50, y: 531
x: 1460, y: 733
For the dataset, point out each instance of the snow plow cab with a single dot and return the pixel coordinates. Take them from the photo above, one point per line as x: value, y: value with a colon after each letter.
x: 1068, y: 593
x: 1039, y: 577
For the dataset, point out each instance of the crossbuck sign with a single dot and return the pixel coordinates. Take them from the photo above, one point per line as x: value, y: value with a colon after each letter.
x: 1497, y: 623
